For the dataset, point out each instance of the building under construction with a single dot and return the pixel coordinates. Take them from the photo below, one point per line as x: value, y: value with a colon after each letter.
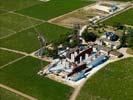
x: 76, y: 64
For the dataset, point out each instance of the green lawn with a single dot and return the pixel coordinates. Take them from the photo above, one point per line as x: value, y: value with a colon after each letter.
x: 113, y: 82
x: 22, y: 76
x: 27, y: 40
x: 2, y: 11
x: 14, y: 23
x: 54, y: 8
x: 8, y: 95
x: 17, y: 4
x: 6, y: 57
x: 124, y: 18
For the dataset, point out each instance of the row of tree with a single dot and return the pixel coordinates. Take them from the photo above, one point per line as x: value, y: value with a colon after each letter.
x: 89, y: 35
x: 127, y: 38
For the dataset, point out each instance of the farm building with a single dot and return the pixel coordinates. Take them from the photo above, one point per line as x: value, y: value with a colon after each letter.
x: 99, y: 42
x: 115, y: 54
x: 77, y: 63
x: 77, y: 55
x: 108, y: 8
x: 102, y: 48
x: 111, y: 44
x: 111, y: 36
x: 98, y: 61
x: 110, y: 39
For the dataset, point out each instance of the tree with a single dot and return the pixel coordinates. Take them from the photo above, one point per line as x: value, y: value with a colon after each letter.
x: 127, y: 38
x: 76, y: 29
x: 130, y: 37
x: 89, y: 36
x: 123, y: 40
x: 130, y: 42
x: 62, y: 39
x: 118, y: 25
x: 74, y: 43
x: 130, y: 31
x: 51, y: 52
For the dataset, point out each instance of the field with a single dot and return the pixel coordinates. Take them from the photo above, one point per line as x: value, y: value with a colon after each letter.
x: 2, y: 11
x: 19, y: 20
x: 12, y: 23
x: 17, y: 30
x: 22, y: 76
x: 53, y: 8
x: 124, y: 18
x: 11, y: 5
x: 27, y: 40
x: 113, y: 82
x: 7, y: 56
x: 8, y: 95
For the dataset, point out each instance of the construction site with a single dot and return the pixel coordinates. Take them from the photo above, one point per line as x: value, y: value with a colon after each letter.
x: 77, y: 64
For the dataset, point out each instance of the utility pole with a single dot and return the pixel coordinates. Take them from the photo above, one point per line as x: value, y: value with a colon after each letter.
x: 42, y: 41
x: 76, y: 29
